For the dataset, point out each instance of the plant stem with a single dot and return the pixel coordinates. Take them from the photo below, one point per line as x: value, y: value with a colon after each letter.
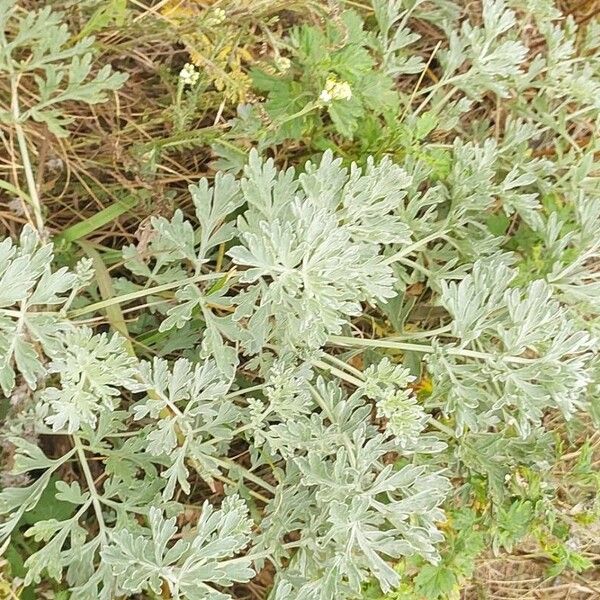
x: 441, y: 427
x: 341, y: 374
x: 31, y: 185
x: 425, y: 348
x: 344, y: 365
x: 252, y: 493
x: 231, y: 465
x: 91, y: 486
x: 414, y: 246
x: 141, y: 294
x: 413, y: 335
x: 244, y: 391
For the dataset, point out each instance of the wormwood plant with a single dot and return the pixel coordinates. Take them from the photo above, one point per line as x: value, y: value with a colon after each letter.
x: 278, y: 311
x: 279, y: 367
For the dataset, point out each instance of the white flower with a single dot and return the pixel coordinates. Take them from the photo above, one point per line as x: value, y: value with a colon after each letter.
x: 218, y: 16
x: 189, y: 75
x: 325, y: 96
x: 283, y: 63
x: 335, y: 90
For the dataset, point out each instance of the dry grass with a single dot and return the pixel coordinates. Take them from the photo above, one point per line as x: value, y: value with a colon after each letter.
x: 523, y: 577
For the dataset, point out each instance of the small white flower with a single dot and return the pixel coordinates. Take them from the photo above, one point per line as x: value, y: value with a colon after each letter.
x: 325, y: 96
x: 335, y: 90
x: 283, y: 63
x: 189, y: 75
x: 218, y: 16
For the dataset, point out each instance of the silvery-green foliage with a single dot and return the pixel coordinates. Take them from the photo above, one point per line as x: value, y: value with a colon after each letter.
x: 176, y: 240
x: 574, y: 255
x: 387, y: 384
x: 287, y: 397
x: 37, y: 45
x: 193, y: 565
x: 541, y: 10
x: 496, y: 455
x: 395, y: 37
x: 344, y: 466
x: 564, y: 75
x: 453, y: 212
x: 520, y: 352
x: 350, y: 508
x: 15, y: 502
x: 32, y: 296
x: 132, y: 488
x: 493, y: 55
x: 176, y: 247
x: 183, y: 416
x: 511, y: 353
x: 190, y: 417
x: 480, y: 175
x: 68, y: 549
x: 443, y: 13
x: 92, y: 370
x: 177, y: 250
x: 301, y: 236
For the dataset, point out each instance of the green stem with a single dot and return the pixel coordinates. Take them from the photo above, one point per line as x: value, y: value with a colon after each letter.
x: 344, y: 365
x: 341, y: 374
x: 141, y: 294
x: 251, y: 492
x: 340, y: 340
x: 413, y: 335
x: 414, y: 246
x: 230, y: 465
x: 91, y: 487
x: 441, y: 427
x: 244, y: 391
x: 416, y: 266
